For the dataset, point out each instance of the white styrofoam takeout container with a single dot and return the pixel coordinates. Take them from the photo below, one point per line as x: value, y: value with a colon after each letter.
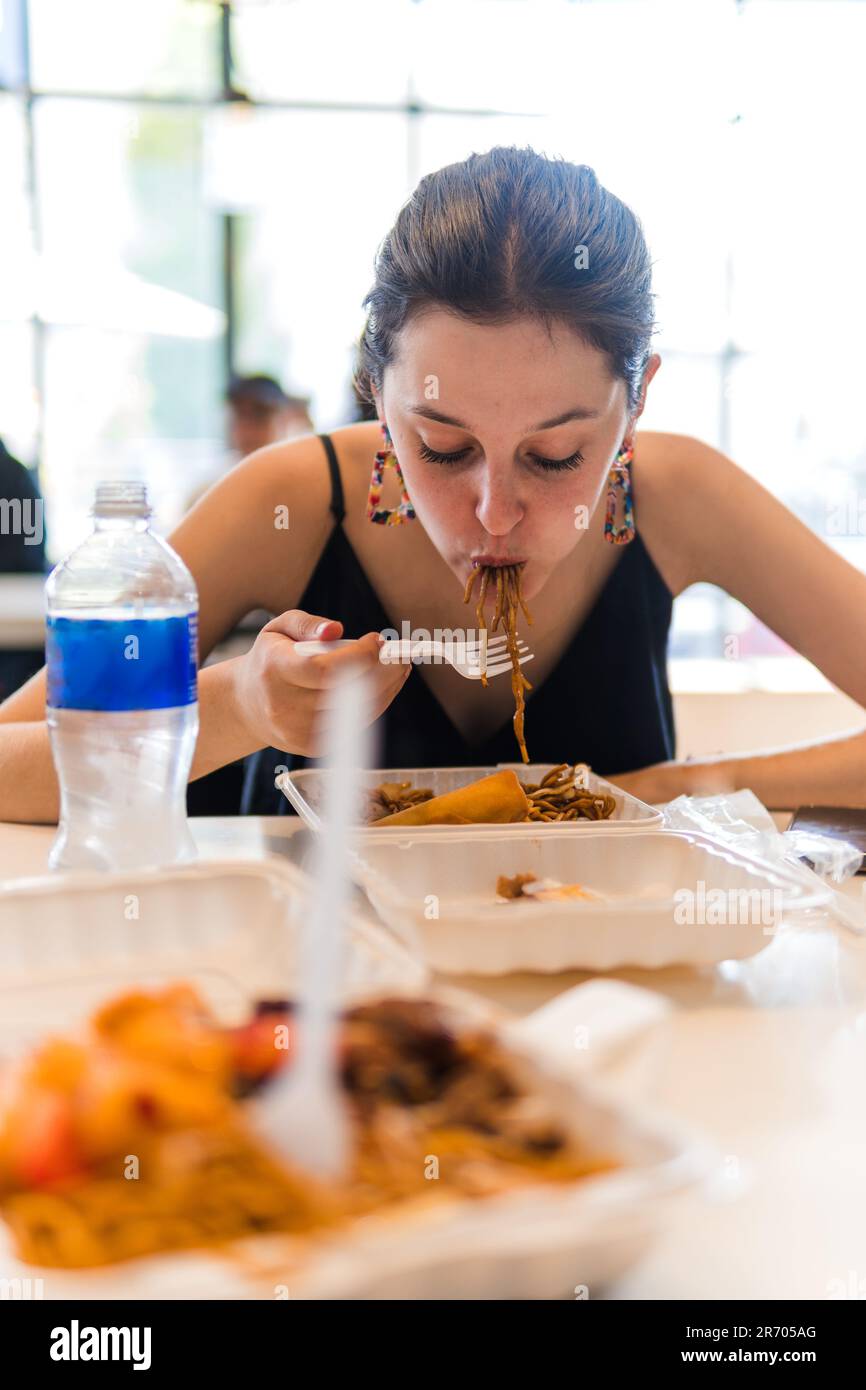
x: 440, y: 897
x: 228, y: 926
x: 544, y: 1241
x: 68, y: 943
x: 305, y: 790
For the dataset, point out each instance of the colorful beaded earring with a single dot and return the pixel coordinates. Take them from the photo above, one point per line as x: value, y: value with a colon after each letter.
x: 619, y: 478
x: 387, y: 516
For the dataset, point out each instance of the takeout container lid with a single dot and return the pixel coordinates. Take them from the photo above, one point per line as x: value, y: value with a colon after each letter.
x: 229, y: 926
x: 662, y: 906
x: 305, y: 790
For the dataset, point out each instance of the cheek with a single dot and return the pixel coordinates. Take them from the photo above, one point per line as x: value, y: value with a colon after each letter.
x: 443, y: 501
x: 561, y: 513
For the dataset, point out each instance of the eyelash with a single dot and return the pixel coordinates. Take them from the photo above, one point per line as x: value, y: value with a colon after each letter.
x: 549, y: 465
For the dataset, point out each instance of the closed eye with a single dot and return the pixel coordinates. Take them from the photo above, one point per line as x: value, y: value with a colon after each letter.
x: 552, y: 465
x: 555, y: 465
x: 432, y: 456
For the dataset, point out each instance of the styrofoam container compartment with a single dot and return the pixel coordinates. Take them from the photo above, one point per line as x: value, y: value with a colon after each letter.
x: 542, y: 1241
x: 669, y: 898
x: 230, y: 927
x: 305, y: 790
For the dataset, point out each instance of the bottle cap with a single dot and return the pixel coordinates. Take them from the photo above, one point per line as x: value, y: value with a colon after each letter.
x: 121, y: 499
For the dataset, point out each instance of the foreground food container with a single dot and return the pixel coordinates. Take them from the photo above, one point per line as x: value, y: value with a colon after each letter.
x: 670, y: 898
x: 543, y: 1241
x: 68, y: 944
x: 305, y: 790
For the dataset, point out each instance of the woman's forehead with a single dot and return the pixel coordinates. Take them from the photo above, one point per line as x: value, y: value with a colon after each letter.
x: 466, y: 369
x: 519, y: 342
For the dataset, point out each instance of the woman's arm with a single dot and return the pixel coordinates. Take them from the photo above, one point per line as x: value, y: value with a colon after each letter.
x: 706, y: 520
x: 250, y: 542
x: 266, y: 696
x: 826, y: 772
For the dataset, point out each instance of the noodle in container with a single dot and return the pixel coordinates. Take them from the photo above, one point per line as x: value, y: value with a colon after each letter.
x: 305, y: 790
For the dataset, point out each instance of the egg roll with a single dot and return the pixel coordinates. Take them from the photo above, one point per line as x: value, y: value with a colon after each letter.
x: 499, y: 798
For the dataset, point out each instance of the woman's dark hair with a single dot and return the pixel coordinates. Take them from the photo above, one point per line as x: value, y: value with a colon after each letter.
x: 498, y: 237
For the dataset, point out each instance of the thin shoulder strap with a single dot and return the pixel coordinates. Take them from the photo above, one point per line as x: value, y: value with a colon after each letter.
x: 338, y: 508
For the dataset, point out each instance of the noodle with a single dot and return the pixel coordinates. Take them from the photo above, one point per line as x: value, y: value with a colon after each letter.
x: 389, y: 797
x: 479, y: 611
x: 558, y: 797
x: 508, y: 600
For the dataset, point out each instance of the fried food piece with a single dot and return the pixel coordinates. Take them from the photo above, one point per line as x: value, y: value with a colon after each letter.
x: 513, y: 887
x: 498, y: 798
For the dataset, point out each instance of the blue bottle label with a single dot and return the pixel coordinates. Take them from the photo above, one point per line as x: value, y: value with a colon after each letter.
x: 121, y: 663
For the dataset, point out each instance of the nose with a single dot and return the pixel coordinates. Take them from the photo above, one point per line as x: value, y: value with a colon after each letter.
x: 498, y: 507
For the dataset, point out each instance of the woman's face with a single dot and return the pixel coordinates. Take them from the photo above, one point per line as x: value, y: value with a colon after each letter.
x: 505, y: 436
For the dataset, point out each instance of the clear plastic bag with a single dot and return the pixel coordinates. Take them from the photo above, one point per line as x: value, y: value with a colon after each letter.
x: 831, y: 859
x: 740, y: 818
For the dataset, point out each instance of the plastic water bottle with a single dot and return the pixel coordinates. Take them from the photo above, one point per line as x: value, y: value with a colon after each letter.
x: 122, y: 657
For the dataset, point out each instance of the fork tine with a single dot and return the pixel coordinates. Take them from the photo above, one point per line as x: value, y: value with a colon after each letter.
x: 522, y: 650
x: 495, y: 645
x: 498, y: 641
x: 499, y: 666
x: 495, y: 668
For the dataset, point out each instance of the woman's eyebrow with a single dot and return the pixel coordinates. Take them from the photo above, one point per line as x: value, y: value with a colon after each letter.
x: 578, y: 412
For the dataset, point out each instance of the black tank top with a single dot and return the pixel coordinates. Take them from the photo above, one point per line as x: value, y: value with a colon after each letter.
x: 606, y: 702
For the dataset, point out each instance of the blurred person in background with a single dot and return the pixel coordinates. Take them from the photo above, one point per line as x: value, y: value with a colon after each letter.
x: 22, y: 551
x: 261, y: 413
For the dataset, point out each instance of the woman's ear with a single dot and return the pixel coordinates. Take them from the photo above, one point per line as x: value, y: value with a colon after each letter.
x: 652, y: 367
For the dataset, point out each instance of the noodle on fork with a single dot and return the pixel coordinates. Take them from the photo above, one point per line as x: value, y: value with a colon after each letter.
x: 508, y: 601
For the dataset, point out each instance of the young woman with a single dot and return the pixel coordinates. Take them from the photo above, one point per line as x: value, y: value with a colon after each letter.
x: 508, y: 354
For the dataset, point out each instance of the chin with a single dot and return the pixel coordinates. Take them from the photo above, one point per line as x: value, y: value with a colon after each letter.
x: 535, y: 576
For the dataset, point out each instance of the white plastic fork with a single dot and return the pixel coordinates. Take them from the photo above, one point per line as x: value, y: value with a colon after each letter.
x: 467, y: 658
x: 302, y: 1113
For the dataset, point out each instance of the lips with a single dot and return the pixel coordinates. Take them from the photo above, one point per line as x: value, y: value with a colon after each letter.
x: 497, y: 561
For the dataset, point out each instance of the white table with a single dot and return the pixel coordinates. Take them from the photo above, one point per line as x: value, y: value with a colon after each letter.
x: 766, y: 1057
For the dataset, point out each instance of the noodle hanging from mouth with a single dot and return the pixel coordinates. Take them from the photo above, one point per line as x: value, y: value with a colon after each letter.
x: 508, y: 601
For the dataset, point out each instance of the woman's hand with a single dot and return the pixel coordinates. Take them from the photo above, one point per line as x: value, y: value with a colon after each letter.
x: 280, y: 693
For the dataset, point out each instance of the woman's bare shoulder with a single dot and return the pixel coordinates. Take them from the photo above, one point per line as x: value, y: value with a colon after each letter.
x: 302, y: 463
x: 258, y: 532
x: 293, y: 475
x: 663, y: 461
x: 297, y: 469
x: 659, y: 455
x: 676, y: 477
